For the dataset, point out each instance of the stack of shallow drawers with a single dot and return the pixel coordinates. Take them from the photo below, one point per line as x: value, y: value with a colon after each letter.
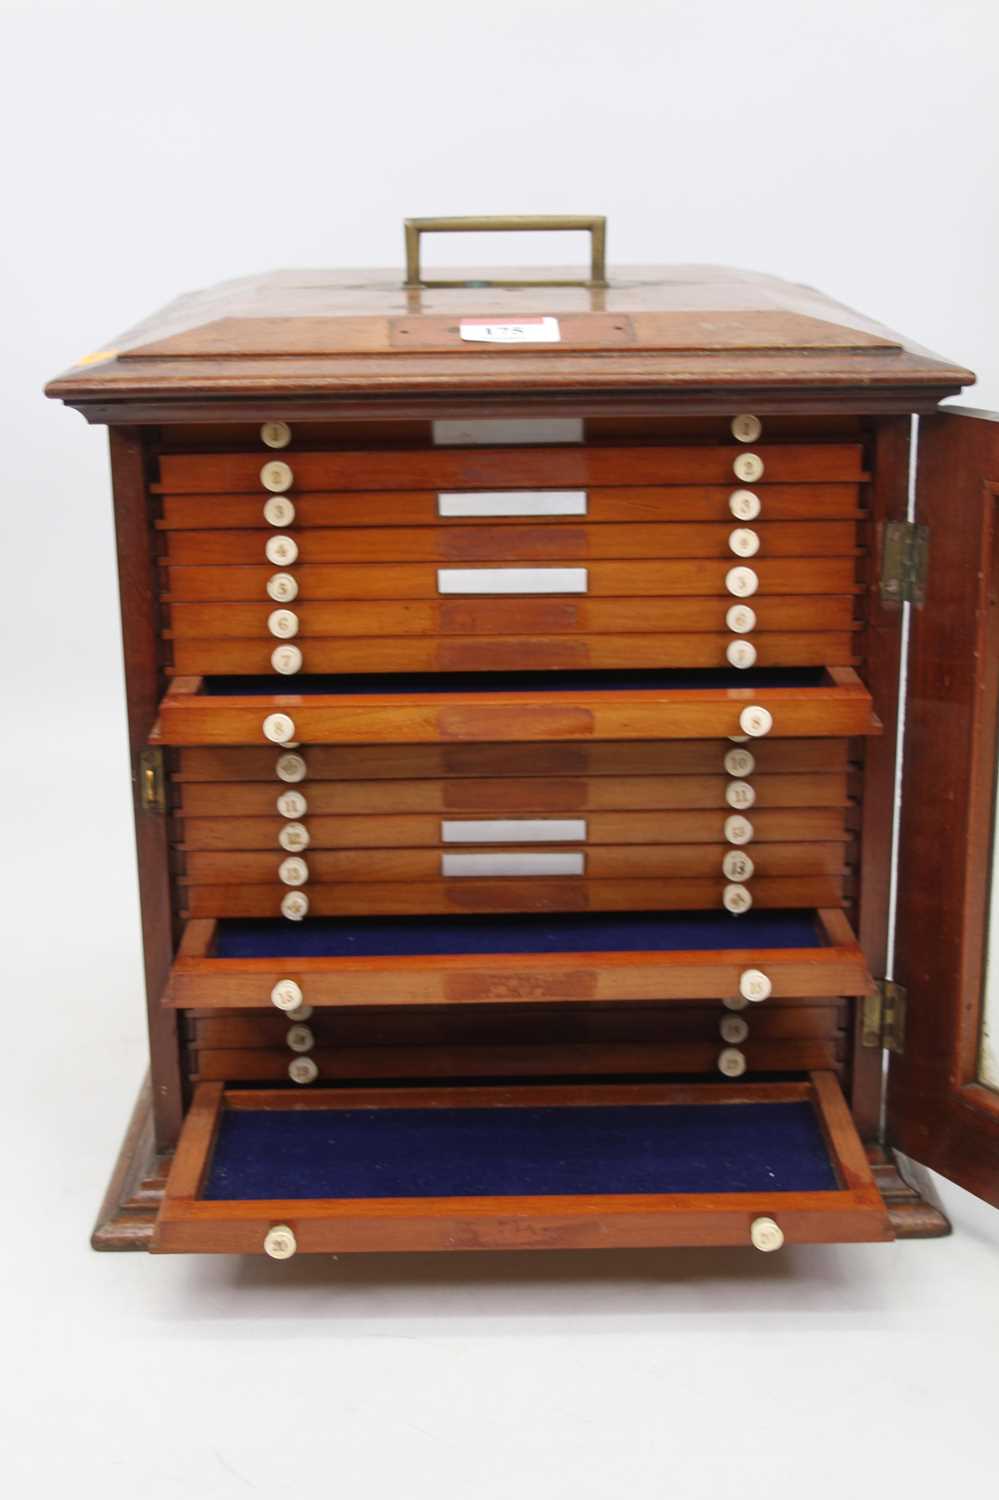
x: 536, y: 592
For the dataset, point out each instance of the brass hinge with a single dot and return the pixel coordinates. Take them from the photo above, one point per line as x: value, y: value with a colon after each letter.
x: 904, y: 563
x: 152, y: 781
x: 883, y: 1021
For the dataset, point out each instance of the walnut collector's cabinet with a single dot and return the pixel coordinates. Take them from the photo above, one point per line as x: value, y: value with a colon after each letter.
x: 513, y: 672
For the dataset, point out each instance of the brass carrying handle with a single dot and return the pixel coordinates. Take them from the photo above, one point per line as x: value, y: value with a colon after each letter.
x: 595, y: 224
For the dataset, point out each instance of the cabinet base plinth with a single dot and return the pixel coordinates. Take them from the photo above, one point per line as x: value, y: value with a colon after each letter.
x: 913, y: 1215
x: 132, y: 1201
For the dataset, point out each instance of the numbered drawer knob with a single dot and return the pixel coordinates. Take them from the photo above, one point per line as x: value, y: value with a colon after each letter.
x: 766, y: 1234
x: 737, y: 866
x: 756, y: 721
x: 748, y: 467
x: 279, y: 511
x: 731, y: 1062
x: 744, y: 542
x: 300, y: 1013
x: 740, y: 794
x: 734, y: 1029
x: 283, y: 623
x: 292, y: 804
x: 735, y: 1002
x: 301, y: 1038
x: 291, y: 767
x: 741, y: 654
x: 279, y: 728
x: 277, y: 477
x: 736, y: 899
x: 303, y: 1070
x: 280, y: 1242
x: 287, y: 994
x: 744, y: 505
x: 293, y: 871
x: 755, y: 986
x: 746, y: 428
x: 742, y: 582
x: 741, y: 619
x: 740, y: 762
x: 295, y: 906
x: 287, y: 660
x: 738, y: 830
x: 278, y: 434
x: 281, y: 550
x: 282, y: 587
x: 293, y: 837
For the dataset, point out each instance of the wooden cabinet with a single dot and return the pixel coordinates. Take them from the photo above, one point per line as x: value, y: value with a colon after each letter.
x: 515, y: 725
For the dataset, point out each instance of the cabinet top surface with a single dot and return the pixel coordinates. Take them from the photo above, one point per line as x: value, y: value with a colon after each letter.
x: 652, y: 329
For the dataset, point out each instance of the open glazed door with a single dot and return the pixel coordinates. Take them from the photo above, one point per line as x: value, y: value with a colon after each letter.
x: 943, y: 1096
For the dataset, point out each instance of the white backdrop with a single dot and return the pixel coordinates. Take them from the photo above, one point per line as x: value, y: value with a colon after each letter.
x: 151, y: 147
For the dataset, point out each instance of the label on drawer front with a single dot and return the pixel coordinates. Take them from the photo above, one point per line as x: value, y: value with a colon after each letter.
x: 513, y: 830
x: 495, y: 432
x: 514, y: 503
x: 524, y: 331
x: 512, y: 580
x: 457, y: 865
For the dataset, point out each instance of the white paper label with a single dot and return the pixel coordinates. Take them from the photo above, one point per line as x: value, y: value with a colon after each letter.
x: 459, y: 865
x: 513, y: 830
x: 511, y: 580
x: 514, y: 503
x: 495, y: 432
x: 526, y: 331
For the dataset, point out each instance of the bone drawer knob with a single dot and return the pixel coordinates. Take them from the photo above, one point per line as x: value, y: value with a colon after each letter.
x: 755, y: 985
x: 748, y: 467
x: 756, y: 721
x: 741, y: 654
x: 302, y: 1038
x: 287, y: 660
x: 281, y: 550
x: 278, y: 435
x: 300, y: 1013
x: 740, y: 619
x: 291, y: 767
x: 276, y: 475
x: 766, y: 1234
x: 736, y: 899
x: 742, y: 582
x: 740, y: 795
x: 737, y: 866
x: 303, y: 1070
x: 279, y: 728
x: 280, y: 1242
x: 283, y: 587
x: 731, y: 1062
x: 740, y: 762
x: 287, y: 994
x: 744, y: 542
x: 295, y: 906
x: 283, y: 623
x: 294, y: 837
x: 735, y: 1002
x: 279, y: 511
x: 293, y: 871
x: 746, y: 428
x: 738, y: 830
x: 744, y: 505
x: 292, y: 804
x: 734, y: 1029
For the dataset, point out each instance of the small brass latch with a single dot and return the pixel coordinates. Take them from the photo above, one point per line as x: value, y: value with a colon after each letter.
x: 152, y: 782
x: 883, y: 1020
x: 904, y: 563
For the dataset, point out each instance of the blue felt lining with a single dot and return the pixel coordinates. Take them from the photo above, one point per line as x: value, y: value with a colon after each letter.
x: 618, y: 932
x: 445, y: 1153
x: 521, y: 682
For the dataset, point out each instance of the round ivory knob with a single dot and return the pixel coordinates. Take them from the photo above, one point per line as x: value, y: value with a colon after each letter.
x: 292, y: 804
x: 282, y: 586
x: 287, y: 660
x: 280, y: 1242
x: 740, y: 619
x: 756, y: 721
x: 744, y: 505
x: 293, y: 871
x: 295, y: 906
x: 279, y: 511
x: 301, y: 1038
x: 742, y: 582
x: 736, y: 899
x: 738, y: 830
x: 290, y: 767
x: 283, y: 623
x: 746, y: 428
x: 281, y: 550
x: 303, y: 1070
x: 748, y: 467
x: 731, y: 1062
x: 733, y: 1029
x: 294, y: 836
x: 735, y: 1002
x: 741, y: 654
x: 300, y: 1013
x: 740, y: 762
x: 276, y: 475
x: 744, y: 542
x: 754, y: 985
x: 279, y: 728
x: 740, y: 795
x: 287, y: 994
x: 737, y: 866
x: 766, y: 1234
x: 278, y: 434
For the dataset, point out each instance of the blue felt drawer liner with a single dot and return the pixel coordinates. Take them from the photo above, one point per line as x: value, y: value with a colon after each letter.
x: 576, y: 1149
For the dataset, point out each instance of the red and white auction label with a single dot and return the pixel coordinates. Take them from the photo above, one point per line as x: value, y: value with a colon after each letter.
x: 524, y: 331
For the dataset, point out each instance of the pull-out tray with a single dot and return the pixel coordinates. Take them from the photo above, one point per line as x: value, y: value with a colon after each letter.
x: 818, y: 702
x: 467, y: 960
x: 517, y: 1168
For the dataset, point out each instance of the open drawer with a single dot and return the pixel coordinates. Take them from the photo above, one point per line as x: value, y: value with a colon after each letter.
x: 467, y: 960
x: 529, y: 1167
x: 808, y: 702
